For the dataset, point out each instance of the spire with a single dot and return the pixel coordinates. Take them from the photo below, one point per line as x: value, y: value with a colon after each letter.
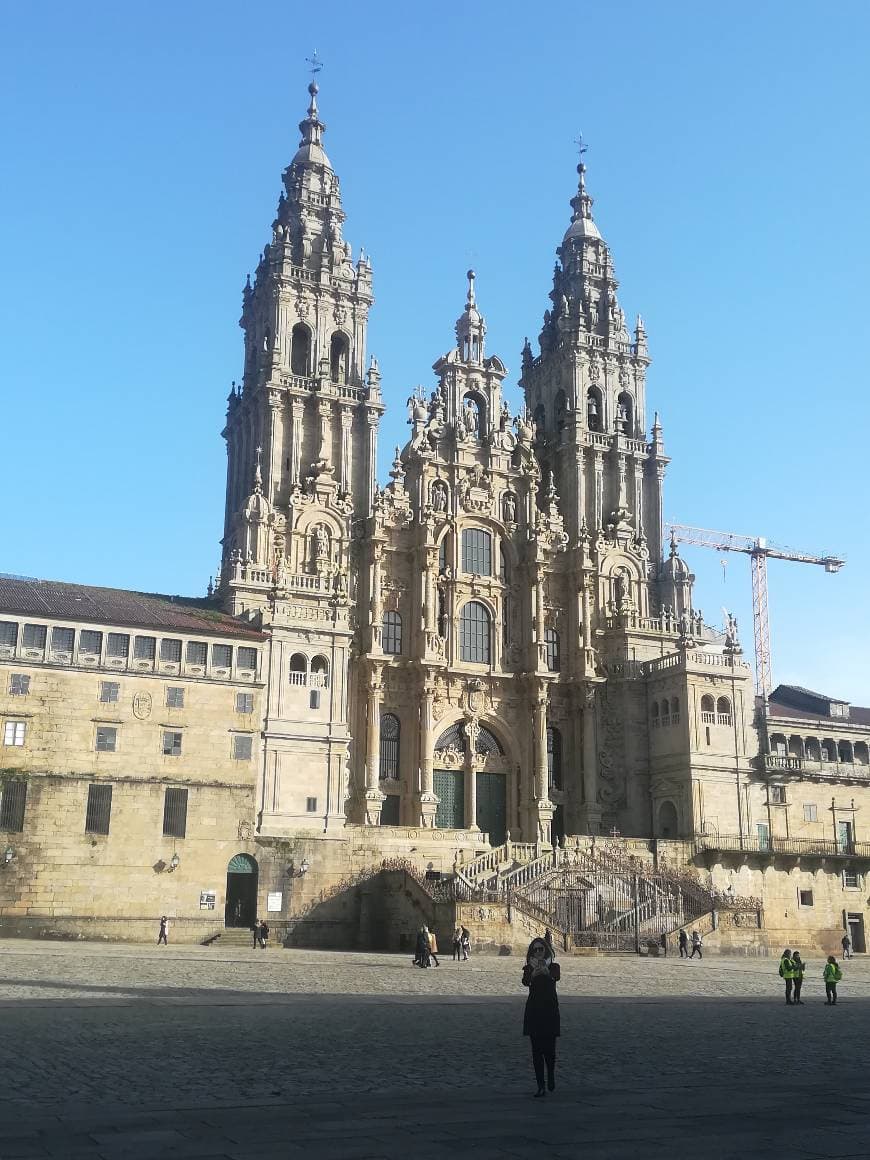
x: 310, y: 149
x: 582, y: 225
x: 470, y: 327
x: 258, y: 474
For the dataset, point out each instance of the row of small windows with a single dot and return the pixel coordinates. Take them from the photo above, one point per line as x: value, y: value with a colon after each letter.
x: 665, y: 712
x: 300, y: 354
x: 106, y: 740
x: 716, y: 712
x: 475, y: 637
x: 813, y: 749
x: 110, y: 693
x: 145, y: 648
x: 98, y: 812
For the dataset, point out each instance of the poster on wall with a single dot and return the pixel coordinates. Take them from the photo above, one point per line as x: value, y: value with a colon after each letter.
x: 275, y: 902
x: 207, y: 899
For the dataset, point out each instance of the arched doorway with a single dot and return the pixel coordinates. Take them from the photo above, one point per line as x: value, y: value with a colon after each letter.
x: 242, y: 877
x: 668, y: 825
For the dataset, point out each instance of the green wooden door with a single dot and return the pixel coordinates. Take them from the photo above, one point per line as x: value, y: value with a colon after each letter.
x: 491, y: 811
x: 449, y: 786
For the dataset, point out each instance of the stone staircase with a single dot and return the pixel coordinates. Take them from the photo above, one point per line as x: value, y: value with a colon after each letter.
x: 230, y: 937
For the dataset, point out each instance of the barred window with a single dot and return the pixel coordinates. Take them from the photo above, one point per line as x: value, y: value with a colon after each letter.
x: 170, y: 651
x: 19, y: 685
x: 62, y: 639
x: 107, y: 738
x: 174, y: 698
x: 99, y: 810
x: 197, y: 652
x: 551, y: 648
x: 243, y: 747
x: 145, y: 648
x: 311, y: 805
x: 554, y: 758
x: 175, y: 813
x: 246, y: 658
x: 390, y: 733
x: 14, y: 732
x: 109, y: 692
x: 8, y: 633
x: 474, y: 633
x: 90, y: 641
x: 777, y: 795
x: 34, y: 636
x: 476, y: 551
x: 118, y: 645
x: 221, y: 656
x: 244, y: 702
x: 12, y: 806
x: 392, y: 632
x: 171, y: 744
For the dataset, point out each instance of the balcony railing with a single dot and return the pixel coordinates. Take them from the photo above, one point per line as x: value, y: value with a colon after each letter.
x: 796, y: 847
x: 815, y: 767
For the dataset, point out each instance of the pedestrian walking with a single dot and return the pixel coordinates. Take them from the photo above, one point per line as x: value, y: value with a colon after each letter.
x: 541, y: 1017
x: 264, y: 934
x: 846, y: 943
x: 696, y: 945
x: 433, y: 947
x: 457, y: 944
x: 832, y: 975
x: 786, y: 971
x: 684, y: 945
x: 421, y: 956
x: 465, y: 942
x: 799, y: 968
x: 255, y: 932
x: 164, y: 931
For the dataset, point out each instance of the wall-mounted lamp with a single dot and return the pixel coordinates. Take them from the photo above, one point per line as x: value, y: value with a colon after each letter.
x: 8, y: 855
x: 298, y: 872
x: 173, y: 862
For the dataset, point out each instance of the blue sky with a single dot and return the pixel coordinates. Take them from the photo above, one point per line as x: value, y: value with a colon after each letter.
x: 141, y: 161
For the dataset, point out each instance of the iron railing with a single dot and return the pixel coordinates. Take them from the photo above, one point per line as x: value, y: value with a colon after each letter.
x: 800, y: 847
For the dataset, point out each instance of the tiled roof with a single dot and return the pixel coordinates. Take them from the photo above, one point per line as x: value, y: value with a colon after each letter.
x: 805, y: 692
x: 858, y: 714
x: 56, y: 600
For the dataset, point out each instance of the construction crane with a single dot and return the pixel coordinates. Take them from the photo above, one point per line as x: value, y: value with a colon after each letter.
x: 759, y: 550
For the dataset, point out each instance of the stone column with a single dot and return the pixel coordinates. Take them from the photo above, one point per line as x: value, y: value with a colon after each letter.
x: 374, y: 799
x: 543, y: 806
x: 346, y: 449
x: 472, y: 729
x: 427, y: 802
x: 591, y: 811
x: 324, y: 413
x: 297, y: 412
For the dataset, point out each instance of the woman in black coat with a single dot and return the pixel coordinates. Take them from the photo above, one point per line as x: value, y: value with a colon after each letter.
x: 541, y: 1020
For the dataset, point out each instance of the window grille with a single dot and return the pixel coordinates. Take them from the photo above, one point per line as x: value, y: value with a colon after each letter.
x: 777, y: 795
x: 118, y: 645
x: 390, y: 735
x: 171, y: 744
x: 311, y: 805
x: 476, y: 551
x: 551, y: 646
x: 145, y: 648
x: 170, y: 651
x: 34, y: 636
x: 107, y: 738
x: 221, y: 656
x: 63, y: 639
x: 242, y: 748
x: 392, y: 635
x: 99, y: 810
x: 554, y: 758
x: 474, y: 633
x: 8, y: 633
x: 197, y: 652
x: 244, y: 702
x: 14, y: 732
x: 109, y: 692
x: 19, y: 685
x: 12, y: 805
x: 90, y: 642
x: 246, y: 658
x: 174, y: 698
x: 851, y: 880
x: 175, y: 812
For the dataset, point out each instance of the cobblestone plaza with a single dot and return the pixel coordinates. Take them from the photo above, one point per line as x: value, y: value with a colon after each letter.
x: 130, y: 1052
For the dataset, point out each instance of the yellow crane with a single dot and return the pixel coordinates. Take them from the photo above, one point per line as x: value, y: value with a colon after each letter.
x: 759, y: 550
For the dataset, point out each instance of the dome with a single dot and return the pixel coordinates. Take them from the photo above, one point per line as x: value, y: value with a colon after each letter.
x: 310, y: 153
x: 675, y: 568
x: 583, y: 227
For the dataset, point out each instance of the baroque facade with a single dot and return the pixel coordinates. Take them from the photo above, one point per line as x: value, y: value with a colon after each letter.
x: 497, y: 645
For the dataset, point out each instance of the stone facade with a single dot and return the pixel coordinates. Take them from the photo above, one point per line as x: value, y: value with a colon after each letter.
x: 497, y: 642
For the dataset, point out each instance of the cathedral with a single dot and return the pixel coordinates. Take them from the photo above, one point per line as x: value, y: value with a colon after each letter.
x: 497, y: 651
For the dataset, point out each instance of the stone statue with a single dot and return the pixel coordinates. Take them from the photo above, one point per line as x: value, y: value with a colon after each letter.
x: 470, y: 418
x: 439, y: 497
x: 321, y: 539
x: 509, y: 508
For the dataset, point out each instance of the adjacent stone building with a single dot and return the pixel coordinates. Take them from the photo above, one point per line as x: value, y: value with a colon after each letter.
x: 497, y: 644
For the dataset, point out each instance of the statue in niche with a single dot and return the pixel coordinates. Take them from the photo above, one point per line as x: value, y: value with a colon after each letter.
x: 439, y: 497
x: 622, y: 589
x: 509, y: 508
x: 470, y: 419
x: 321, y: 542
x: 505, y: 418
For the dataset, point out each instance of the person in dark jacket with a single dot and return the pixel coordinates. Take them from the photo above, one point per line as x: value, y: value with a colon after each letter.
x: 421, y: 958
x: 541, y: 1018
x: 684, y: 945
x: 799, y: 970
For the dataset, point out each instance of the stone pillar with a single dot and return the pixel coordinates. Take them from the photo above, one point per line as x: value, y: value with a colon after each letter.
x: 324, y: 413
x: 427, y: 802
x: 376, y: 606
x: 472, y: 728
x: 591, y: 811
x: 346, y: 449
x: 374, y: 799
x: 297, y: 412
x: 543, y: 806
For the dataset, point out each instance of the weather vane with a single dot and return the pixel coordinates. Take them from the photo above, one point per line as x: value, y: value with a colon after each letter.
x: 316, y: 64
x: 580, y: 143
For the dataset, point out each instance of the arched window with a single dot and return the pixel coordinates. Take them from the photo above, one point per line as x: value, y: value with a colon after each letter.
x: 474, y: 633
x: 594, y: 409
x: 551, y: 649
x: 390, y: 735
x: 654, y: 714
x: 319, y: 678
x: 829, y: 750
x: 392, y: 632
x: 625, y: 414
x: 298, y: 669
x: 554, y: 758
x: 667, y: 820
x: 442, y: 555
x: 708, y: 710
x: 675, y: 710
x: 339, y: 356
x: 812, y: 749
x: 861, y: 754
x: 778, y: 745
x: 540, y: 418
x: 723, y: 711
x: 300, y: 350
x: 476, y: 551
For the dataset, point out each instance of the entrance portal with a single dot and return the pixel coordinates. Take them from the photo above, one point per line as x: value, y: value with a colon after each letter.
x: 856, y: 932
x: 242, y: 877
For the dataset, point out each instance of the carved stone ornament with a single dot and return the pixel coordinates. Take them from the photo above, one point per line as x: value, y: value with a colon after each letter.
x: 246, y: 831
x: 477, y: 491
x: 142, y: 705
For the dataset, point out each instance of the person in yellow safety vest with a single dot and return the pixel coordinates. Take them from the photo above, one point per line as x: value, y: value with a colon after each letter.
x: 786, y: 971
x: 832, y: 976
x: 799, y: 968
